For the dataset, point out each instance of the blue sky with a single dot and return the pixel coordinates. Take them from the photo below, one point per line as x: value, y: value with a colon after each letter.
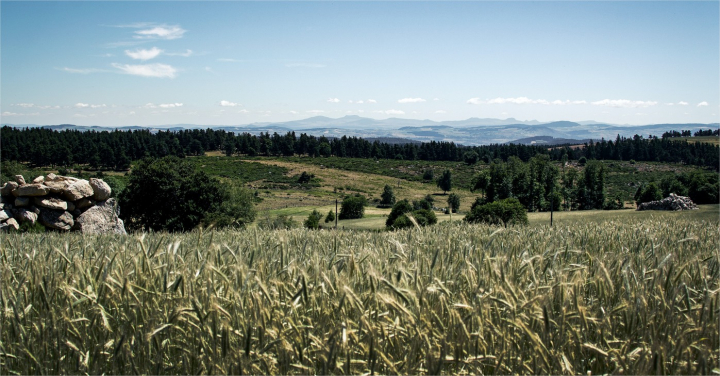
x: 228, y: 63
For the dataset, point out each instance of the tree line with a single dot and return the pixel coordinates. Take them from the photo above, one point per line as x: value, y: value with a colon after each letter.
x: 116, y: 149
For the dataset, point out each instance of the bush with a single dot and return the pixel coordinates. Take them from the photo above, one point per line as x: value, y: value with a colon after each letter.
x: 388, y: 198
x: 670, y: 184
x: 305, y: 178
x: 445, y: 181
x: 428, y: 175
x: 330, y: 216
x: 582, y: 161
x: 648, y: 193
x: 313, y: 220
x: 615, y: 203
x: 454, y: 202
x: 170, y: 194
x: 505, y: 212
x: 281, y: 222
x: 424, y: 204
x: 421, y: 217
x: 401, y: 207
x: 353, y: 207
x: 471, y: 157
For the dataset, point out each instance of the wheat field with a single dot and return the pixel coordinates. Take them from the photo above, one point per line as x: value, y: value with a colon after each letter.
x: 631, y: 297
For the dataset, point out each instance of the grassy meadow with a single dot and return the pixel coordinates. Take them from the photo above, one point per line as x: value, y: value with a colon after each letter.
x: 631, y: 295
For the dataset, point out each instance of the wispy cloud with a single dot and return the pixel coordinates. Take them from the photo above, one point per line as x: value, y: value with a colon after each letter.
x: 333, y: 100
x: 8, y: 113
x: 360, y: 102
x: 683, y: 103
x: 81, y: 70
x: 148, y: 70
x: 702, y: 104
x: 315, y: 111
x: 87, y: 105
x: 170, y: 105
x: 81, y: 105
x: 167, y: 32
x: 229, y: 104
x: 624, y: 103
x: 395, y: 112
x: 305, y: 65
x: 187, y: 53
x: 440, y: 111
x: 524, y: 100
x: 225, y: 60
x: 142, y: 54
x: 372, y: 101
x: 243, y: 111
x: 411, y: 100
x: 24, y: 105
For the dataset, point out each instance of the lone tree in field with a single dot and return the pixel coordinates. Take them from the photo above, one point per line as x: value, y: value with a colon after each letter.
x: 454, y: 202
x: 313, y: 220
x: 387, y: 198
x: 445, y: 181
x: 506, y: 212
x: 330, y: 216
x: 171, y: 194
x: 353, y: 207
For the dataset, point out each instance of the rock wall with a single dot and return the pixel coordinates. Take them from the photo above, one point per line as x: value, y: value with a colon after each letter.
x: 61, y: 203
x: 672, y: 202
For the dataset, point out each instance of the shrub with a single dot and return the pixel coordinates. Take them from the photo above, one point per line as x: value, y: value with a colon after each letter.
x: 313, y: 220
x: 428, y: 175
x: 387, y: 198
x: 670, y: 184
x: 424, y: 204
x: 281, y: 222
x: 648, y: 193
x: 353, y: 207
x: 171, y: 194
x: 614, y: 203
x: 505, y: 212
x: 582, y: 161
x: 330, y: 216
x: 454, y: 202
x: 401, y: 207
x: 305, y: 178
x: 421, y: 217
x: 471, y: 157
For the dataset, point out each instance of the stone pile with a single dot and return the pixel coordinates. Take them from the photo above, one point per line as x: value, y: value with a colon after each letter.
x: 672, y: 202
x: 61, y: 203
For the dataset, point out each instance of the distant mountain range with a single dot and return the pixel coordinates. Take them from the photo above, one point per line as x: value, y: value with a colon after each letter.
x: 472, y: 131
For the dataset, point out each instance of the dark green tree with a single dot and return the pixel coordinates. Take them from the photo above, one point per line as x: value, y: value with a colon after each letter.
x: 352, y: 207
x: 330, y: 216
x: 454, y: 202
x: 428, y: 175
x: 401, y: 207
x: 471, y: 157
x: 387, y: 198
x: 445, y: 181
x: 170, y: 194
x: 506, y: 212
x: 313, y: 220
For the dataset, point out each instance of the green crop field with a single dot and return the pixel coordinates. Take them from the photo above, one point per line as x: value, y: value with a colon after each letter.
x: 636, y: 295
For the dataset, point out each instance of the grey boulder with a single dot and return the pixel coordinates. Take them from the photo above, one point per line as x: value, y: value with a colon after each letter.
x: 101, y: 189
x: 56, y: 219
x: 100, y: 219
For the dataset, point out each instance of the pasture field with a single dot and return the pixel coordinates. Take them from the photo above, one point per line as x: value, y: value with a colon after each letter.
x: 637, y: 295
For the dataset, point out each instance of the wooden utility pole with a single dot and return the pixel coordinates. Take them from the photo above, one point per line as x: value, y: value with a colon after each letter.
x: 336, y: 213
x: 552, y: 198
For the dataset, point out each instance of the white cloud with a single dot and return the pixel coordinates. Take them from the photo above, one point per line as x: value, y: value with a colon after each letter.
x: 294, y: 112
x: 150, y: 105
x: 170, y: 105
x: 148, y: 70
x: 47, y: 107
x: 305, y: 65
x: 436, y: 99
x: 395, y: 112
x: 701, y: 104
x: 161, y: 32
x: 523, y: 100
x: 683, y: 103
x: 669, y: 104
x: 624, y: 103
x: 440, y: 111
x: 187, y: 53
x: 81, y: 105
x: 360, y: 102
x: 333, y: 100
x: 474, y: 101
x: 229, y: 104
x: 142, y: 54
x: 243, y: 111
x: 132, y: 112
x: 350, y: 101
x: 97, y: 105
x: 8, y: 113
x: 361, y: 111
x: 372, y: 101
x: 410, y: 100
x: 315, y: 111
x: 208, y: 69
x: 230, y: 60
x: 24, y: 105
x: 81, y: 71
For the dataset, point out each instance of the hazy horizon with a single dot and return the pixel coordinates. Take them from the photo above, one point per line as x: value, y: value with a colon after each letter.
x: 237, y: 63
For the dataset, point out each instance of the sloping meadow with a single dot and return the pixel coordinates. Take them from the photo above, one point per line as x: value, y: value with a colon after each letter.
x: 627, y: 298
